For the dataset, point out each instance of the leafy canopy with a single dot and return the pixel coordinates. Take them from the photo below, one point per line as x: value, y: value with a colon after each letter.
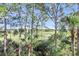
x: 3, y: 10
x: 73, y: 20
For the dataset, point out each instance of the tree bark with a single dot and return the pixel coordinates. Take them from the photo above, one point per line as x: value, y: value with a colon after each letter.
x: 55, y: 19
x: 72, y: 41
x: 77, y: 41
x: 26, y: 30
x: 29, y: 49
x: 5, y: 37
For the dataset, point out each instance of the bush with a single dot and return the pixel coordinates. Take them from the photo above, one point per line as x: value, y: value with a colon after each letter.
x: 15, y: 32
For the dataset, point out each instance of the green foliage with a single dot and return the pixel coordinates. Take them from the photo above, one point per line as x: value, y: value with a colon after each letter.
x: 21, y: 30
x: 3, y: 10
x: 33, y: 17
x: 15, y: 32
x: 15, y: 7
x: 73, y: 20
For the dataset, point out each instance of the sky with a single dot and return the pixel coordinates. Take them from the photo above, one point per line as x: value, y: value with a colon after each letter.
x: 50, y: 23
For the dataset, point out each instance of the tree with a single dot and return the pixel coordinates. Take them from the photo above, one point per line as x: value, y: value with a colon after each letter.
x: 73, y: 21
x: 77, y: 33
x: 3, y: 10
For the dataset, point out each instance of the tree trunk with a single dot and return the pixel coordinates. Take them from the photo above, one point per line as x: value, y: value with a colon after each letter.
x: 26, y: 30
x: 36, y: 34
x: 72, y: 41
x: 20, y: 30
x: 55, y: 37
x: 19, y: 41
x: 32, y: 29
x: 55, y: 19
x: 10, y: 32
x: 77, y: 41
x: 5, y: 38
x: 30, y: 45
x: 29, y: 49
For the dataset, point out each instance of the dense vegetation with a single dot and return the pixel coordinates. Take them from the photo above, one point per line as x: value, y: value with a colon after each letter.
x: 25, y: 29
